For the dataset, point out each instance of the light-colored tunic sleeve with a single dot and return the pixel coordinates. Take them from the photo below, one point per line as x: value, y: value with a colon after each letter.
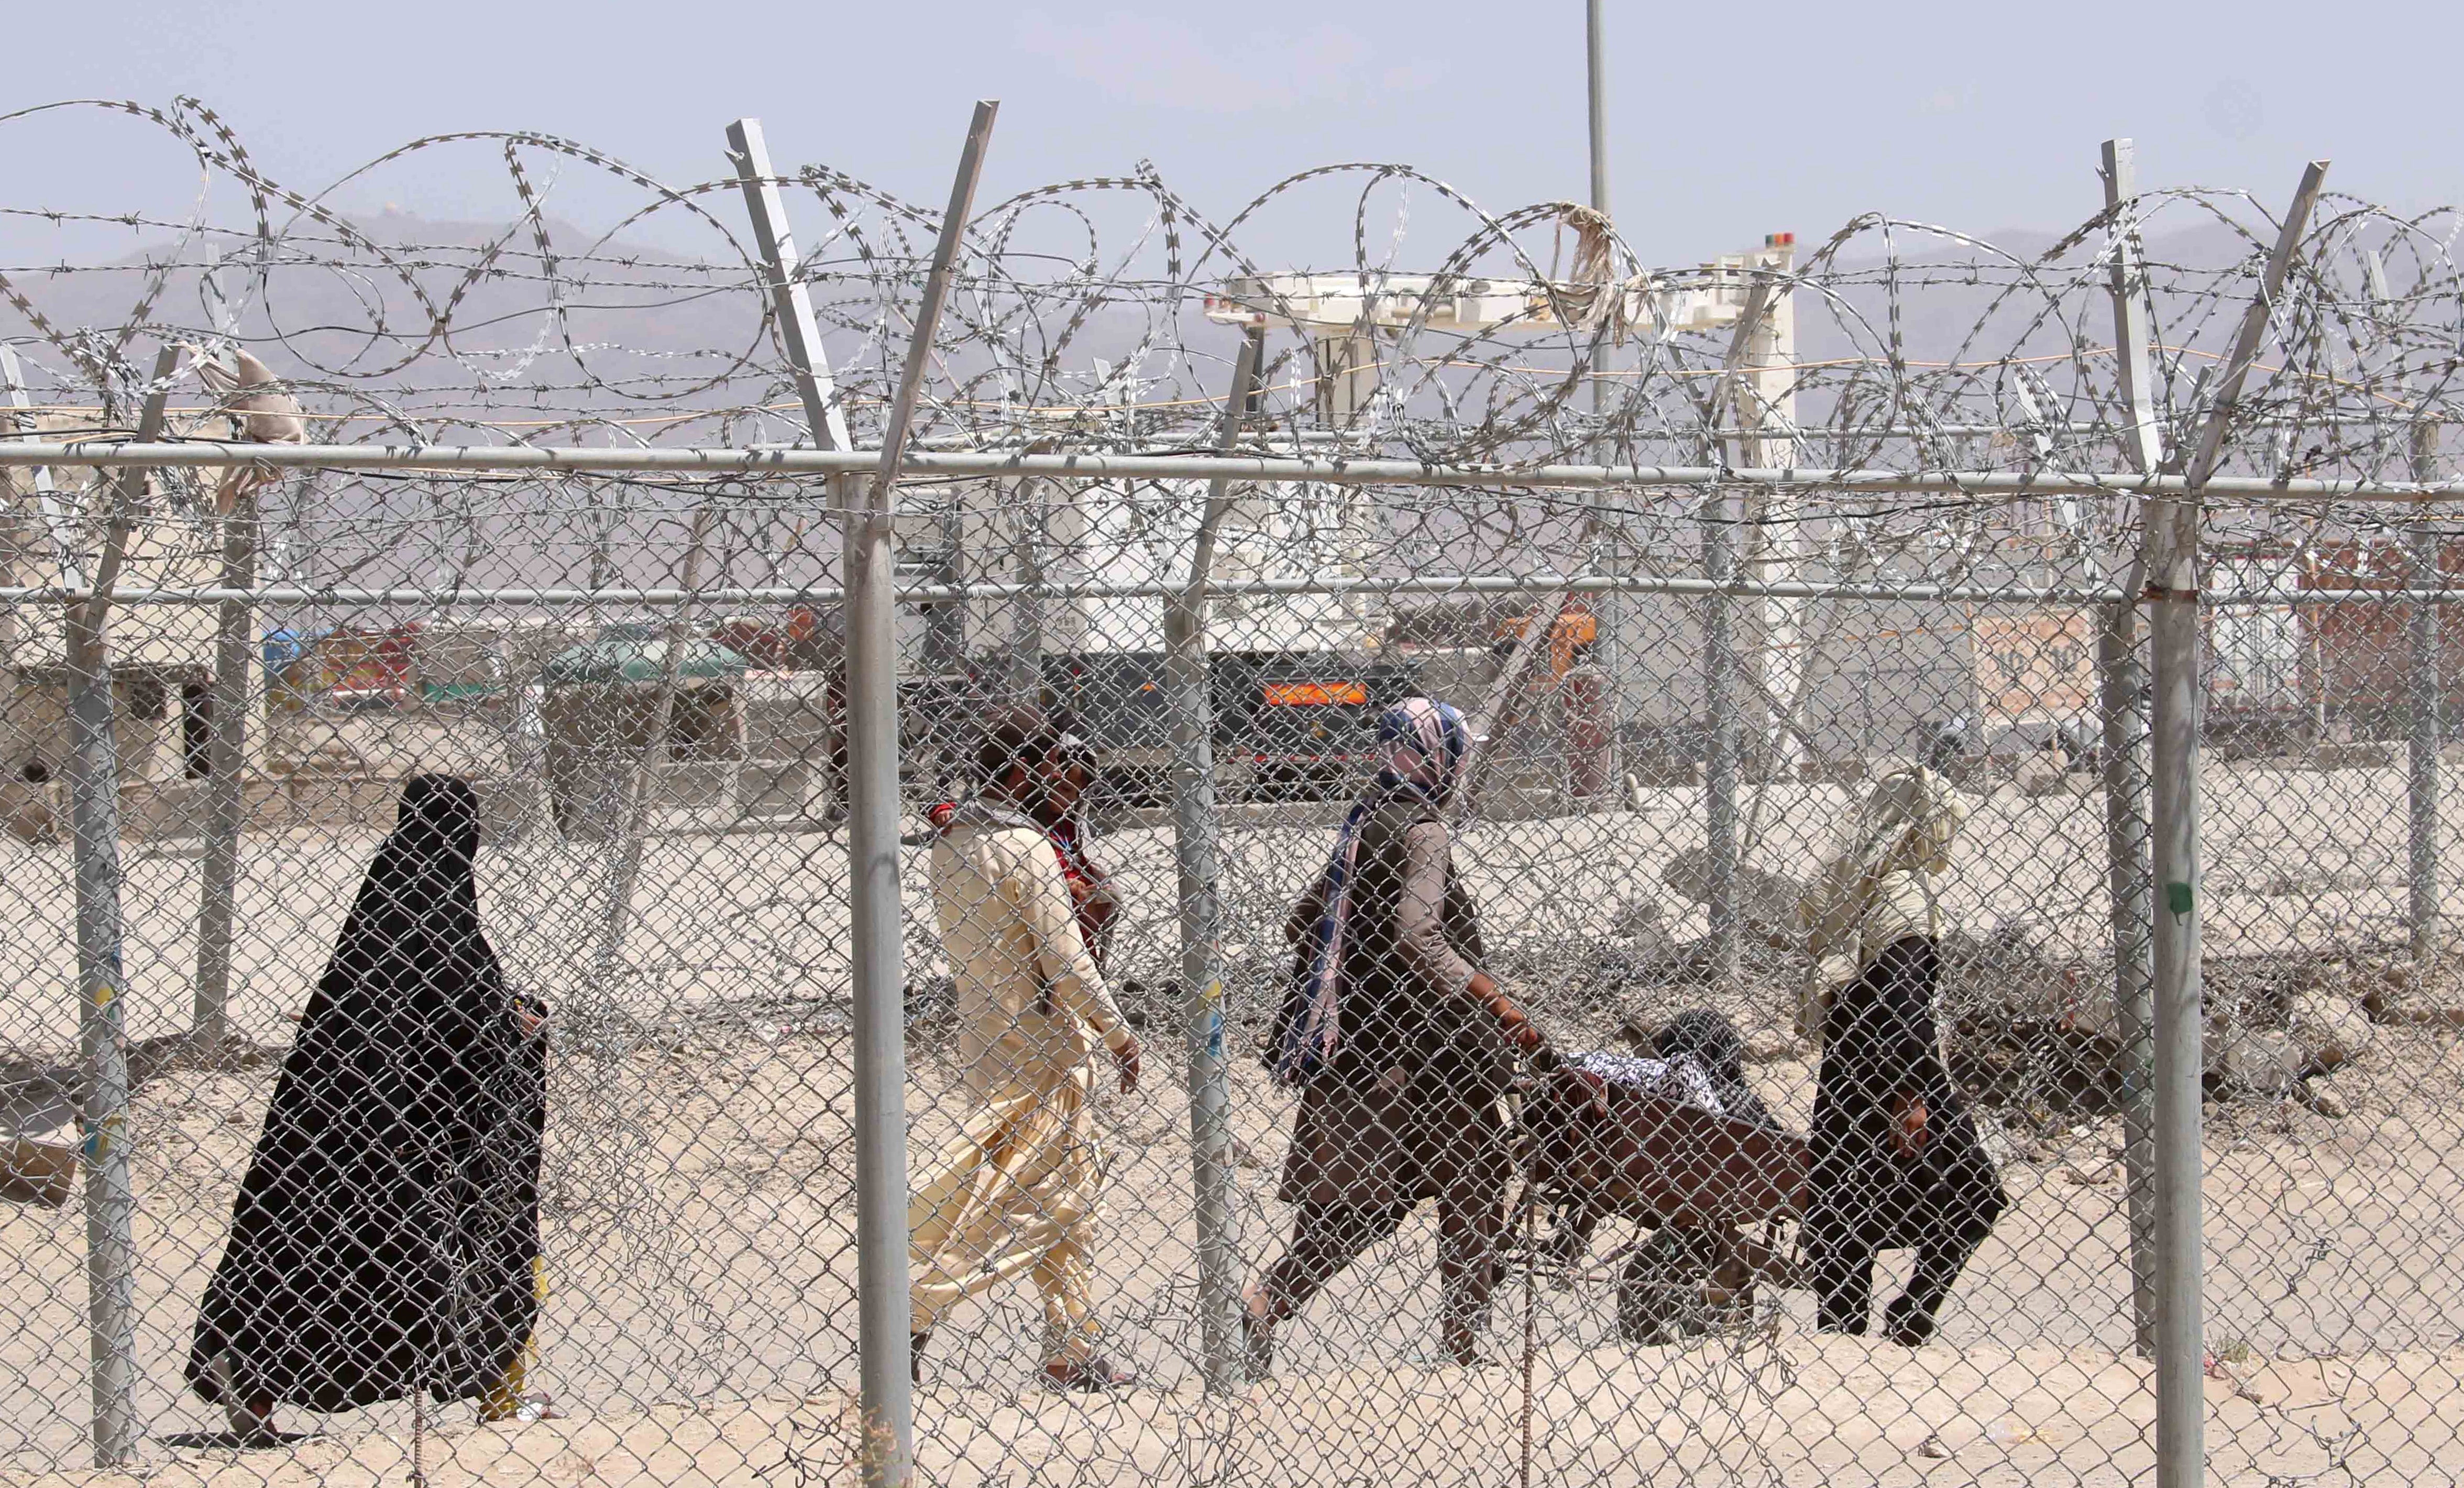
x: 1041, y: 891
x: 1878, y: 888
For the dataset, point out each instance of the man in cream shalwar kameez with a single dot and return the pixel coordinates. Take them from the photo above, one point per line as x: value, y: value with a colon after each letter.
x: 1016, y: 1192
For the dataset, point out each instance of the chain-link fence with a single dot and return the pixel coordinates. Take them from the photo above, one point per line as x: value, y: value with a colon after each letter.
x: 1817, y: 866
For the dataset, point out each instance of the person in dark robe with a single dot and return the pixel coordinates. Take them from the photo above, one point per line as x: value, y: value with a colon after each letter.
x: 1399, y: 1045
x: 1896, y: 1158
x: 386, y: 1238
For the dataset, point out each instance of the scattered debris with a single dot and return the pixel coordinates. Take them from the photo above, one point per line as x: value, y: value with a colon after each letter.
x: 2324, y: 1099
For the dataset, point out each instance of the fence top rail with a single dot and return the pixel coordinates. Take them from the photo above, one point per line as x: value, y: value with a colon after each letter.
x: 1258, y: 469
x: 476, y: 595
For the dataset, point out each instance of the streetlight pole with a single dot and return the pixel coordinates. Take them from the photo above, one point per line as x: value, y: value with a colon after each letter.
x: 1597, y: 65
x: 1607, y: 609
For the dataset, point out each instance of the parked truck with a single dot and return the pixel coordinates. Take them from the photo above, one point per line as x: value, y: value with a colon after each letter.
x: 1289, y: 725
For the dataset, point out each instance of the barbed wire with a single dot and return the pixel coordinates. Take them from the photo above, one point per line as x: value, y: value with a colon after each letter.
x: 694, y: 1191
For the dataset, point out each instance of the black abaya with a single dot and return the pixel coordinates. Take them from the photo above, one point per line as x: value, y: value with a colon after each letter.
x: 385, y: 1235
x: 1879, y: 1053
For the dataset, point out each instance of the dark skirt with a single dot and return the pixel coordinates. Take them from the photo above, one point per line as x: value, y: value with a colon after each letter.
x: 367, y: 1259
x: 1379, y: 1144
x: 1880, y: 1043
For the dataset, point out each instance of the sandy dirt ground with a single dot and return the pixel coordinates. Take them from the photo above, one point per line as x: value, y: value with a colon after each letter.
x: 1800, y: 1412
x: 698, y: 1194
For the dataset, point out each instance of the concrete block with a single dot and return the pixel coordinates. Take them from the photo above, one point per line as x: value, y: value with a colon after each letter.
x: 781, y: 787
x: 696, y: 787
x: 324, y: 800
x: 37, y: 1173
x: 2268, y: 1064
x: 153, y: 810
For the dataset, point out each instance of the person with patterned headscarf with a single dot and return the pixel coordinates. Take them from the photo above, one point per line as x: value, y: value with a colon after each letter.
x: 1398, y: 1044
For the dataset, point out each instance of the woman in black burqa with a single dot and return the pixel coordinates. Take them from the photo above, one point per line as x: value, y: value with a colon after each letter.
x: 386, y: 1237
x: 1896, y: 1159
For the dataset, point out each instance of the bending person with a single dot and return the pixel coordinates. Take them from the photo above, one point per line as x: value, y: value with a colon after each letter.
x: 1016, y: 1193
x: 1400, y: 1047
x: 1897, y: 1161
x: 386, y: 1237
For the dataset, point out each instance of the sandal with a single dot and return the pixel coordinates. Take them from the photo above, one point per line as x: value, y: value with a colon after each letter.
x: 1257, y: 1345
x: 1088, y: 1376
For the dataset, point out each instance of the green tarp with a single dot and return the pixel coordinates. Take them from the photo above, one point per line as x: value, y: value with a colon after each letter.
x: 640, y: 657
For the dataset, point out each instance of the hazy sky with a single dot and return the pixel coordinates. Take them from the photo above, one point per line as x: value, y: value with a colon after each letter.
x: 1728, y: 121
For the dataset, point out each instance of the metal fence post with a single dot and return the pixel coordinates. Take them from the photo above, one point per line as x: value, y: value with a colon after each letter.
x: 886, y: 1404
x: 1718, y: 646
x: 641, y: 781
x: 1202, y: 971
x: 2169, y: 544
x: 1720, y: 743
x: 2122, y: 704
x: 225, y: 795
x: 2427, y: 702
x: 2176, y: 1005
x: 94, y: 817
x: 876, y: 960
x: 2122, y: 699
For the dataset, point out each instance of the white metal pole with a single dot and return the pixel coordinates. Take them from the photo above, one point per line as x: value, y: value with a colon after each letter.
x: 791, y: 302
x: 1719, y: 661
x: 873, y: 850
x: 1201, y: 967
x: 1776, y: 538
x: 1596, y: 75
x: 2123, y: 701
x: 1610, y: 611
x: 2427, y: 702
x: 2170, y: 543
x: 1720, y: 747
x: 226, y: 760
x: 94, y: 817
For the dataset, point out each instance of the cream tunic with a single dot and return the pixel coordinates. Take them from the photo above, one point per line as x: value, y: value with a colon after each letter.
x: 1028, y: 993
